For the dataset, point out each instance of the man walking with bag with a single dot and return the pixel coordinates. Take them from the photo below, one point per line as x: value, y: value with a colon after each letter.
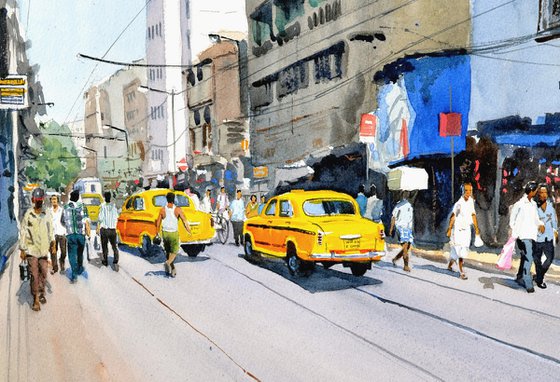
x: 402, y: 221
x: 35, y: 241
x: 168, y: 222
x: 463, y: 216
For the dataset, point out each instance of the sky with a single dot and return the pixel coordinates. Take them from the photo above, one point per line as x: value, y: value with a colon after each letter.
x: 60, y: 29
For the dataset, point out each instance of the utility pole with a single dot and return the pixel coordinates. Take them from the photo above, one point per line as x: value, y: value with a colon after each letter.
x: 173, y: 126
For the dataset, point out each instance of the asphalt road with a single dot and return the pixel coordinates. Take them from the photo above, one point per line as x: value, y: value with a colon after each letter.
x: 224, y: 318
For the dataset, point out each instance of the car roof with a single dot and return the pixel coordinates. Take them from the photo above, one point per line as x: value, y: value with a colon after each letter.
x: 156, y: 191
x: 317, y: 194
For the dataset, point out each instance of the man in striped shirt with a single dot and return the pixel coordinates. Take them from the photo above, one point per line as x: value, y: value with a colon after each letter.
x: 76, y: 220
x: 107, y: 224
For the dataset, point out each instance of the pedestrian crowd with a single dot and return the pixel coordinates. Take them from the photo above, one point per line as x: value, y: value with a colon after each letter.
x: 533, y: 226
x: 64, y: 231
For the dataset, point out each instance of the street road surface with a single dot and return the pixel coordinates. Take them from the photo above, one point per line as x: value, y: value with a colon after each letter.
x: 223, y: 318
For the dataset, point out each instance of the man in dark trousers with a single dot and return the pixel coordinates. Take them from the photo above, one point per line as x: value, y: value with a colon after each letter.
x: 76, y: 220
x: 107, y: 224
x: 35, y: 240
x: 547, y: 239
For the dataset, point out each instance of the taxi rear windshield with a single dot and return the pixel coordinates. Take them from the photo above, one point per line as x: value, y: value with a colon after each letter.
x: 91, y: 201
x: 180, y: 201
x: 322, y: 207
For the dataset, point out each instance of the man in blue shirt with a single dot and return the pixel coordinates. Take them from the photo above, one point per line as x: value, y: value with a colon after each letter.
x: 546, y: 240
x: 362, y: 199
x: 237, y: 217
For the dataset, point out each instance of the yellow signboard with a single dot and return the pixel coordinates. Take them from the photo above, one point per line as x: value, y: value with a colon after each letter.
x: 260, y: 172
x: 13, y: 92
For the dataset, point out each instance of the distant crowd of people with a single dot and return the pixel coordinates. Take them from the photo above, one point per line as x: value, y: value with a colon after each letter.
x: 533, y: 224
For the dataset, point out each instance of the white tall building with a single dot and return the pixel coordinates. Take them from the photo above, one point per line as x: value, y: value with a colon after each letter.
x: 177, y: 31
x: 167, y: 128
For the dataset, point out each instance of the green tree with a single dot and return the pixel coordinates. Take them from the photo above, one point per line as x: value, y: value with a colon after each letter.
x: 56, y: 160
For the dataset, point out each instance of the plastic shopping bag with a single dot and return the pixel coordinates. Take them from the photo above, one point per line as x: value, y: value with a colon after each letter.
x: 504, y: 261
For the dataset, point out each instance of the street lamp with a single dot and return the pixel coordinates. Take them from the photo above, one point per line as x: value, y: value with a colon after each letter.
x: 95, y: 155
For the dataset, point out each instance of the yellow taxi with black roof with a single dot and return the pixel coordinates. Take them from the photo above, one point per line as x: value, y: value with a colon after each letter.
x: 307, y: 227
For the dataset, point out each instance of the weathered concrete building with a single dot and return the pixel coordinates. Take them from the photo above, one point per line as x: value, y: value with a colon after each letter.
x: 217, y: 104
x: 312, y: 68
x: 115, y: 127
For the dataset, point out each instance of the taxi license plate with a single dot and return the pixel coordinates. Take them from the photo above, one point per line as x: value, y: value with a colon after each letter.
x: 351, y: 244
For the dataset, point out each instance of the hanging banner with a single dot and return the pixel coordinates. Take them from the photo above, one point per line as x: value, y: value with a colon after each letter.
x: 368, y: 126
x: 449, y: 124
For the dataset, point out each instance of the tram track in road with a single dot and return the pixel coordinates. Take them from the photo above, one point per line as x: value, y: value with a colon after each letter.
x: 424, y: 313
x: 410, y: 365
x: 188, y: 323
x: 466, y: 292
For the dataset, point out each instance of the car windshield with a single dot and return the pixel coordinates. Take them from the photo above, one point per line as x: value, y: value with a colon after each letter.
x: 322, y: 207
x: 91, y: 201
x: 180, y: 201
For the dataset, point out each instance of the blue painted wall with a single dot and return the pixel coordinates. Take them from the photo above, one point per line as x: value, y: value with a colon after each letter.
x: 428, y: 92
x: 8, y: 232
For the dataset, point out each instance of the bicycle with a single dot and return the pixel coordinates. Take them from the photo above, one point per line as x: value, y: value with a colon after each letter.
x: 221, y: 225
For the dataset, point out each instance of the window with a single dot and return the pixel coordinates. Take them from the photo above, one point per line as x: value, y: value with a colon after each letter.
x: 271, y: 208
x: 286, y: 209
x: 138, y: 204
x: 318, y: 207
x: 180, y: 201
x: 196, y: 116
x: 128, y: 204
x: 161, y: 34
x: 149, y: 33
x: 262, y: 23
x: 105, y: 152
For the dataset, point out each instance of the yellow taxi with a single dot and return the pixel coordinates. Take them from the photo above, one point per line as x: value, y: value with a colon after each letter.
x: 306, y: 227
x: 93, y: 205
x: 136, y: 226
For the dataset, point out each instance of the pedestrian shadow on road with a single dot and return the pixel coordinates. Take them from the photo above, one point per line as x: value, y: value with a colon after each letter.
x: 157, y: 256
x: 433, y: 268
x: 24, y: 292
x: 320, y: 280
x: 488, y: 282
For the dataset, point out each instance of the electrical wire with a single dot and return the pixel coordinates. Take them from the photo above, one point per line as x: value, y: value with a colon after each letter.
x: 104, y: 55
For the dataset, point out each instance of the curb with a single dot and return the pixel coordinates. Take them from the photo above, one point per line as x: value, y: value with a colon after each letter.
x: 482, y: 261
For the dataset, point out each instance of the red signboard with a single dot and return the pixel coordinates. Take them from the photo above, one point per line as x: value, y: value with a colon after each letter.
x: 449, y: 124
x: 368, y: 125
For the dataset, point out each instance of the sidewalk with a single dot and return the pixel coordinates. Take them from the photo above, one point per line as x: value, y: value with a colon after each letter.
x: 484, y: 261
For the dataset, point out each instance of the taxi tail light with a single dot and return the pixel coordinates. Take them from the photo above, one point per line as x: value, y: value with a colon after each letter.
x: 211, y: 222
x: 320, y: 238
x: 382, y: 233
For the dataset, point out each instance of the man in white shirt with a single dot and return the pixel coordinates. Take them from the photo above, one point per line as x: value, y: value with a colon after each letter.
x: 459, y: 231
x: 525, y: 225
x: 206, y: 204
x: 237, y: 218
x: 222, y: 203
x: 59, y: 235
x: 547, y: 239
x: 107, y: 224
x: 193, y: 197
x: 402, y: 220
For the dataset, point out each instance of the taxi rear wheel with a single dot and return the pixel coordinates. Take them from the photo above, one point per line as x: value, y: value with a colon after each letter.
x: 192, y: 250
x: 359, y: 269
x: 297, y: 266
x: 146, y: 245
x: 250, y: 253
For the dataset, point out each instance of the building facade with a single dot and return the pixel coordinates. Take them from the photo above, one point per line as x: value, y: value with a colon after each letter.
x: 166, y: 46
x: 313, y: 71
x: 17, y: 121
x: 115, y: 127
x: 217, y: 104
